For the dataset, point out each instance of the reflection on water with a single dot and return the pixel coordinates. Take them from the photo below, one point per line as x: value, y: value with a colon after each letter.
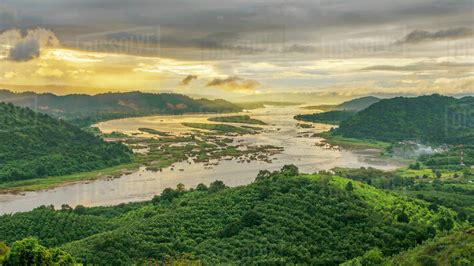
x: 300, y: 149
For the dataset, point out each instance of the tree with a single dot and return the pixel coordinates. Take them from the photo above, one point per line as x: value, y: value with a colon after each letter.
x: 437, y: 173
x: 415, y: 166
x: 180, y: 187
x: 263, y: 175
x: 80, y: 209
x: 403, y: 218
x: 201, y: 187
x: 372, y: 257
x: 446, y: 224
x: 3, y: 251
x: 289, y: 170
x: 349, y: 186
x: 66, y: 207
x: 231, y: 229
x: 29, y: 252
x: 216, y: 186
x: 251, y: 218
x: 168, y: 194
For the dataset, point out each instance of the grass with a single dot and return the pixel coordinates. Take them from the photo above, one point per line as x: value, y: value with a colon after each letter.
x: 115, y: 135
x: 445, y: 173
x: 241, y: 119
x: 154, y: 132
x: 352, y: 143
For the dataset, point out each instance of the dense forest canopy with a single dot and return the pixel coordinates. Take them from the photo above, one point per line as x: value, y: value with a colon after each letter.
x: 430, y: 119
x: 283, y: 217
x: 34, y: 145
x: 83, y: 110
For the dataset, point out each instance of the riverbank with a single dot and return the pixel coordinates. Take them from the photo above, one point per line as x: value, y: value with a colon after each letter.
x: 352, y: 143
x: 156, y: 154
x: 56, y: 181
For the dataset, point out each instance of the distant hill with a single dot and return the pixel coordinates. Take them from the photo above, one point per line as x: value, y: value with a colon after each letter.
x: 34, y: 145
x: 354, y: 105
x: 433, y: 119
x: 296, y: 97
x: 357, y: 104
x: 335, y: 114
x: 282, y: 218
x: 83, y: 109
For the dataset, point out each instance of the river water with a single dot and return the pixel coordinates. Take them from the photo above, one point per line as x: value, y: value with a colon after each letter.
x: 299, y: 149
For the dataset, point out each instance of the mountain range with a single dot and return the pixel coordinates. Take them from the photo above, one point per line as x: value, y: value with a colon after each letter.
x: 83, y: 110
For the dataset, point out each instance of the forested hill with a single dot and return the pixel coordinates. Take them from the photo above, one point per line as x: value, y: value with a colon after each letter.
x: 282, y: 218
x: 83, y: 109
x: 432, y: 119
x: 358, y: 104
x: 34, y: 145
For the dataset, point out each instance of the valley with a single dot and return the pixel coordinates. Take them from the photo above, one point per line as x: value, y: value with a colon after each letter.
x: 278, y: 143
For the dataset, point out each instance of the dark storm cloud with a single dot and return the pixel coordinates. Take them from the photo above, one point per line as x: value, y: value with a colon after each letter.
x: 26, y: 45
x: 188, y: 79
x: 418, y: 36
x: 236, y: 25
x: 24, y: 51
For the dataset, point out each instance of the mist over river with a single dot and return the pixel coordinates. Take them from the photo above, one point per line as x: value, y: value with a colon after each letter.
x: 300, y: 148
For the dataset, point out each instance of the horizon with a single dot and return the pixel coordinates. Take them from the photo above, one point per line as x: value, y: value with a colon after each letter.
x: 242, y: 99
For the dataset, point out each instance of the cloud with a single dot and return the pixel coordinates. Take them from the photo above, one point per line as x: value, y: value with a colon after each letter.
x: 300, y: 48
x: 24, y: 51
x: 418, y: 36
x: 8, y: 17
x: 10, y: 74
x: 49, y: 72
x: 423, y: 66
x: 234, y: 83
x: 188, y: 79
x: 29, y: 47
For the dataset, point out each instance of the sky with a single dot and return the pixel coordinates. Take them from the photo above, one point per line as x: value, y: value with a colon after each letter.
x: 231, y: 48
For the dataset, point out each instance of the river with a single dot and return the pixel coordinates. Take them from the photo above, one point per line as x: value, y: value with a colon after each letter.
x: 299, y: 149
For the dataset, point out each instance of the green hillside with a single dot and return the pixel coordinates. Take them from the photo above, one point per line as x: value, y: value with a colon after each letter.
x: 84, y: 110
x: 454, y: 249
x: 284, y: 217
x: 35, y: 145
x: 432, y: 119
